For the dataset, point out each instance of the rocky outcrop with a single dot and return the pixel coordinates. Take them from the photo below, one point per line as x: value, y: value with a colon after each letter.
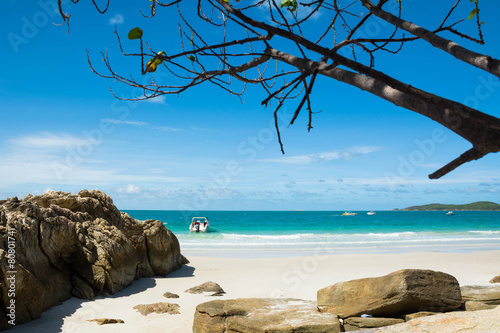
x: 105, y: 321
x: 403, y: 301
x: 170, y: 295
x: 496, y: 279
x: 398, y: 293
x: 211, y: 287
x: 474, y: 306
x: 486, y: 295
x: 485, y: 321
x: 263, y: 315
x: 161, y: 307
x: 359, y: 323
x: 62, y: 245
x: 420, y: 314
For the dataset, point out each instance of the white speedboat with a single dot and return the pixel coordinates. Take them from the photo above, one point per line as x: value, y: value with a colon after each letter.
x: 371, y: 212
x: 450, y: 213
x: 199, y: 224
x: 349, y: 214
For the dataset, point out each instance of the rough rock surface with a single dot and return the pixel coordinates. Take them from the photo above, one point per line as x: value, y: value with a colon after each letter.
x: 162, y: 307
x: 209, y: 286
x: 484, y: 321
x: 263, y: 315
x: 398, y: 293
x: 359, y: 323
x: 75, y: 245
x: 104, y: 321
x: 420, y: 314
x: 496, y: 279
x: 475, y: 305
x: 170, y: 295
x: 487, y: 295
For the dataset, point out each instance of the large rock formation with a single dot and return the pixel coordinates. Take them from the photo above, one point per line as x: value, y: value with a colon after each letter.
x: 401, y: 292
x: 263, y: 315
x: 62, y: 245
x: 484, y: 321
x: 485, y: 294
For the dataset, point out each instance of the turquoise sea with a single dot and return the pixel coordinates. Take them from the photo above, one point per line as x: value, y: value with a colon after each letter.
x: 274, y: 233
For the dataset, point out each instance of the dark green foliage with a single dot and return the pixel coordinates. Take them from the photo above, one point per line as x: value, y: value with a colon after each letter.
x: 479, y: 205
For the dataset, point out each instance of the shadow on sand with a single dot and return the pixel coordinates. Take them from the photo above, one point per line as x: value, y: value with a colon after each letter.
x: 184, y: 271
x: 52, y: 320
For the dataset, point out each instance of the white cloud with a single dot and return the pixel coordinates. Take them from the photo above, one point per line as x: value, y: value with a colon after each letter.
x: 326, y: 156
x: 157, y: 100
x: 54, y: 159
x: 46, y: 141
x: 125, y: 122
x: 142, y: 123
x: 476, y: 190
x: 117, y: 19
x: 130, y: 189
x: 168, y: 129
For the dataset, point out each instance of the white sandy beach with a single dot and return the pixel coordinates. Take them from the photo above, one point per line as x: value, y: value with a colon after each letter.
x: 297, y: 277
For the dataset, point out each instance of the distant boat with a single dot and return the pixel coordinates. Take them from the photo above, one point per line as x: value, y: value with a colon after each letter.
x: 371, y: 212
x: 349, y: 214
x: 199, y: 224
x: 450, y: 213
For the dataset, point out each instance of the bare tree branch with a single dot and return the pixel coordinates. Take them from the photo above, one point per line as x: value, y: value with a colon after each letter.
x: 469, y: 155
x: 478, y: 60
x: 283, y: 51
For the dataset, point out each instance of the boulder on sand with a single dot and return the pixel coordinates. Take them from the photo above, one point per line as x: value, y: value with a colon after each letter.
x: 210, y: 286
x: 161, y: 307
x: 483, y: 321
x: 263, y: 315
x: 398, y: 293
x: 62, y: 245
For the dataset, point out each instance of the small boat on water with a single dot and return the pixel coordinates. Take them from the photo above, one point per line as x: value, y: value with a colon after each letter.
x: 371, y: 212
x: 199, y: 224
x: 349, y: 214
x: 450, y: 213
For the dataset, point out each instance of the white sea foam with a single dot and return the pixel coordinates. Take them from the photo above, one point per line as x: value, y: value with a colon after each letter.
x: 330, y: 242
x: 389, y: 235
x: 488, y: 232
x: 269, y: 237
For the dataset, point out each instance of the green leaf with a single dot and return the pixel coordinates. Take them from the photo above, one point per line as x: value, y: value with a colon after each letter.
x: 472, y: 13
x: 192, y: 58
x: 151, y: 65
x: 135, y: 33
x: 290, y: 4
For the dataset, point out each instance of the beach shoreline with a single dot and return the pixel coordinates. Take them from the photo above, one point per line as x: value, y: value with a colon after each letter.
x: 269, y: 276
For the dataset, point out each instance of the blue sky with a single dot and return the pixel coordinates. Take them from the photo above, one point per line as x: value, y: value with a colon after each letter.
x: 61, y: 129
